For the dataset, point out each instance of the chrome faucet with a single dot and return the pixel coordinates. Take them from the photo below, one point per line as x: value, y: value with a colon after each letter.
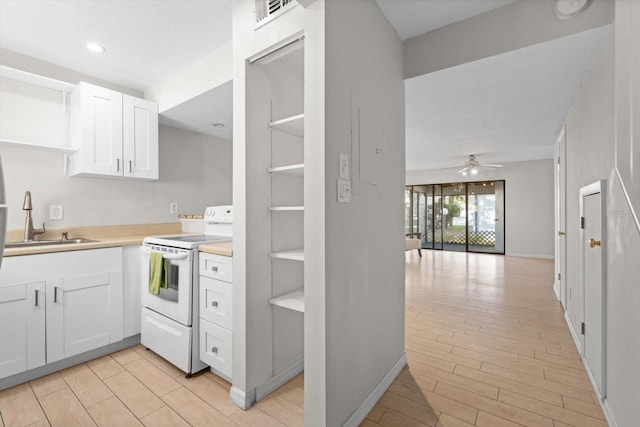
x: 29, y: 231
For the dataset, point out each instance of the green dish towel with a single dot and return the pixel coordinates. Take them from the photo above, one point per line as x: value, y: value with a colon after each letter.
x: 157, y: 273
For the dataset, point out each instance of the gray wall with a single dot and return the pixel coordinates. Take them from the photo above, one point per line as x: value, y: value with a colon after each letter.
x: 529, y: 220
x: 591, y: 142
x: 195, y: 171
x: 364, y: 239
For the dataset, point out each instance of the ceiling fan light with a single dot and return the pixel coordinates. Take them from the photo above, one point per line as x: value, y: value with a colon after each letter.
x: 474, y: 171
x: 465, y: 173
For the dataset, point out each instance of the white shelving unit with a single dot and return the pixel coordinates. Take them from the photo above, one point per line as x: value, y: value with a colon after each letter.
x: 291, y: 170
x: 292, y: 254
x: 286, y: 208
x: 291, y: 300
x: 293, y: 125
x: 66, y: 151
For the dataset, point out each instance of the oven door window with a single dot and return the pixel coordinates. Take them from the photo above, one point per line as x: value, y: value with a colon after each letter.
x: 172, y: 282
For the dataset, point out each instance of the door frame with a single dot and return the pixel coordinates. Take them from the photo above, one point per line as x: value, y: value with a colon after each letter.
x: 597, y: 187
x: 560, y: 283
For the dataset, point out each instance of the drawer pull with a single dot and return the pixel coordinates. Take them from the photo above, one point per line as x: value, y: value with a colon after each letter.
x: 36, y: 297
x: 214, y: 350
x: 214, y: 269
x: 214, y: 303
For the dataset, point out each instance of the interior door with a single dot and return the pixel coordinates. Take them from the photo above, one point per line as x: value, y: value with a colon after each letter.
x: 561, y: 220
x: 593, y: 288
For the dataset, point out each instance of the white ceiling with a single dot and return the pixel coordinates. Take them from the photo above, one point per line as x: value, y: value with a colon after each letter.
x: 411, y: 18
x: 504, y: 108
x: 145, y: 40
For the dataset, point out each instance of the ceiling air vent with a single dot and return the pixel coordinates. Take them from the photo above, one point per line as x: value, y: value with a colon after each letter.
x: 269, y: 9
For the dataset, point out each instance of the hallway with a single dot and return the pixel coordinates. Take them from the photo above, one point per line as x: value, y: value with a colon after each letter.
x: 487, y: 345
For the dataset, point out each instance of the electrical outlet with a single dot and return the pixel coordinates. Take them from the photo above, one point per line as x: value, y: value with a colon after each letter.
x: 56, y: 212
x: 344, y: 191
x: 173, y: 207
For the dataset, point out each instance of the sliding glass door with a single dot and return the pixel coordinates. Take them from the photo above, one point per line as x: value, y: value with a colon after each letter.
x: 458, y: 216
x: 485, y: 217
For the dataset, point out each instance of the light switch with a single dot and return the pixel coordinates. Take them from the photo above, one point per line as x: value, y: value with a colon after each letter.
x: 173, y: 207
x: 344, y: 191
x: 56, y: 212
x: 344, y: 166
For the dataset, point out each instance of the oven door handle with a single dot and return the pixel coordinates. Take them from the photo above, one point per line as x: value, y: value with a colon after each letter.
x: 164, y: 255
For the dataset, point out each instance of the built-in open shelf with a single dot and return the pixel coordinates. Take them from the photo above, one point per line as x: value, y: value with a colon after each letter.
x: 293, y: 125
x: 293, y: 170
x: 286, y: 208
x: 35, y: 79
x: 33, y: 146
x: 291, y: 300
x: 293, y: 254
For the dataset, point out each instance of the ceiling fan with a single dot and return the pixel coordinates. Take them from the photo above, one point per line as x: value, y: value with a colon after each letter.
x: 473, y: 166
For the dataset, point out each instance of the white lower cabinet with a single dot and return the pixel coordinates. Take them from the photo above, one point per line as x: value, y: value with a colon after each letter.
x: 22, y: 328
x: 54, y: 306
x: 215, y: 347
x: 216, y: 305
x: 132, y: 279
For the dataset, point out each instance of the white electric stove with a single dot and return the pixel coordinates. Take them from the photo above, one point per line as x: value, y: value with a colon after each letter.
x: 170, y: 318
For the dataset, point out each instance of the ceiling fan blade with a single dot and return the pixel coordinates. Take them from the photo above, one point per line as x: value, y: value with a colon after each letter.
x: 463, y: 169
x: 493, y: 166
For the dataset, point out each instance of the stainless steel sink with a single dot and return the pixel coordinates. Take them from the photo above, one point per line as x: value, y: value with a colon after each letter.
x: 35, y: 243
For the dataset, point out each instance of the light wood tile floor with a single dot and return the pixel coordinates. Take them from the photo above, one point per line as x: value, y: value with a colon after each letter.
x: 485, y: 338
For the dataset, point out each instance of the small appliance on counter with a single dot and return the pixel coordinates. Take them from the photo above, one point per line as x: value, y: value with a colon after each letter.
x: 170, y: 316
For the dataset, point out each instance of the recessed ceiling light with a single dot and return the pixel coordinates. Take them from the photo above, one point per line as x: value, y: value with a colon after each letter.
x: 95, y: 47
x: 218, y: 125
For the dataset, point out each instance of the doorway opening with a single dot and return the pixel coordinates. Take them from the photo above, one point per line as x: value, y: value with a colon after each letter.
x: 462, y: 217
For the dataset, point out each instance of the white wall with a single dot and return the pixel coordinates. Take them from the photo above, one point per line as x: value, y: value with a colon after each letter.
x: 364, y: 239
x: 195, y: 171
x: 529, y: 215
x: 599, y: 122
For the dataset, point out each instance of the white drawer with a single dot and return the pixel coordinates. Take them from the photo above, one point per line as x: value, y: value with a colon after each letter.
x: 216, y: 301
x: 215, y: 266
x: 215, y: 347
x: 166, y: 337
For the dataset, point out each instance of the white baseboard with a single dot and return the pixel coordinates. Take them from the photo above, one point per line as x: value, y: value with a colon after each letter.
x: 556, y: 289
x: 279, y: 379
x: 608, y: 414
x: 522, y: 255
x: 574, y: 334
x: 361, y: 413
x: 242, y: 399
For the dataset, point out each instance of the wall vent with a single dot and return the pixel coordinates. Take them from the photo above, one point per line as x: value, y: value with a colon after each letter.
x: 269, y: 9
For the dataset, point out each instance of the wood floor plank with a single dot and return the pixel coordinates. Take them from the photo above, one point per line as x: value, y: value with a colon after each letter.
x: 125, y: 356
x: 133, y: 394
x: 86, y: 385
x: 48, y: 384
x: 446, y: 420
x: 151, y: 376
x: 497, y: 408
x: 112, y: 413
x: 164, y: 417
x: 211, y: 392
x: 561, y: 414
x: 282, y: 410
x: 486, y: 419
x: 19, y: 406
x: 105, y: 367
x: 64, y: 409
x: 393, y: 418
x: 418, y: 411
x: 591, y: 409
x: 254, y: 417
x: 194, y: 410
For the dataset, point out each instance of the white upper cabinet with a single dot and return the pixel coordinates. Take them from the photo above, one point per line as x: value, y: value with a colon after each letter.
x: 116, y: 135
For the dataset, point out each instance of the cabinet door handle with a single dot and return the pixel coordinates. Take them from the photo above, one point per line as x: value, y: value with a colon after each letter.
x: 117, y: 165
x: 214, y: 303
x: 55, y: 294
x: 214, y: 350
x: 130, y: 166
x: 36, y: 297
